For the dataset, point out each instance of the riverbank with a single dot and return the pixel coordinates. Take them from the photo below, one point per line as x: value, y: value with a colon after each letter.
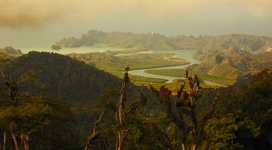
x: 188, y: 56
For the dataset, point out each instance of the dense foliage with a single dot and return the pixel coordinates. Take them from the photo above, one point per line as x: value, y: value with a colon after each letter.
x: 58, y: 76
x: 40, y: 110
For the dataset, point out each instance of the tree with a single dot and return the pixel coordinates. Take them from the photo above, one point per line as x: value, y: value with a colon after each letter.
x: 94, y: 133
x: 125, y: 123
x: 183, y: 111
x: 23, y: 114
x: 56, y: 47
x: 120, y: 114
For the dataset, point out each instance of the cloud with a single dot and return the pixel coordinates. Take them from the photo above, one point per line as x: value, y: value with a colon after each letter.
x: 36, y: 13
x: 260, y: 7
x: 23, y: 13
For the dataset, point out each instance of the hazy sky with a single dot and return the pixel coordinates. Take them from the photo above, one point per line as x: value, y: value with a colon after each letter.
x: 34, y: 23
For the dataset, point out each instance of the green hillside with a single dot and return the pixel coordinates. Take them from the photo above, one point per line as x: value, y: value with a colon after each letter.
x: 10, y: 51
x: 223, y: 66
x: 59, y: 76
x: 51, y: 101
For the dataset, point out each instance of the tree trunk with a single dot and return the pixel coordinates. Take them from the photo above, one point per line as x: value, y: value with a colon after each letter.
x: 193, y: 146
x: 94, y: 133
x: 120, y: 112
x: 119, y: 141
x: 188, y: 146
x: 15, y: 142
x: 4, y: 140
x: 121, y: 135
x: 25, y: 141
x: 183, y: 146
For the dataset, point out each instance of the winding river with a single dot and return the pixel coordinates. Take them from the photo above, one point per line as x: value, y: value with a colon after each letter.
x: 184, y: 54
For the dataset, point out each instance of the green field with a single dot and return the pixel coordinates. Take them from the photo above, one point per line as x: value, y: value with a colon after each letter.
x: 181, y: 73
x: 115, y: 62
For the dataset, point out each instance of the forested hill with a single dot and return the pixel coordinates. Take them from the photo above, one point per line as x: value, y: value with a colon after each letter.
x: 235, y: 117
x: 155, y: 41
x: 10, y: 51
x: 230, y: 63
x: 7, y: 54
x: 242, y: 116
x: 58, y: 76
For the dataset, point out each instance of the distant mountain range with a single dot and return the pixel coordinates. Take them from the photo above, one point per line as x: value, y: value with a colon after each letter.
x: 155, y: 41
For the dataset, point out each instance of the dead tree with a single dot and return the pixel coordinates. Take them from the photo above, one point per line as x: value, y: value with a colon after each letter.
x: 120, y: 114
x: 182, y: 106
x: 188, y: 103
x: 94, y: 133
x: 25, y: 141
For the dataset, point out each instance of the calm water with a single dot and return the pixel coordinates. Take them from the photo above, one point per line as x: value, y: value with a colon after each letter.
x: 184, y: 54
x: 65, y: 51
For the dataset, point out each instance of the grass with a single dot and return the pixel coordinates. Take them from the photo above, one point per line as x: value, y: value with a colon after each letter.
x: 202, y: 75
x: 139, y: 80
x: 111, y: 63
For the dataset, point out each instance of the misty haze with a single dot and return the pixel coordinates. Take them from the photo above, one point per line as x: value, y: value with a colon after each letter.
x: 135, y: 75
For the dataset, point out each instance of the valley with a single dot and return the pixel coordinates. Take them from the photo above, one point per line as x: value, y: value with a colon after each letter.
x: 158, y: 59
x: 211, y: 92
x: 142, y: 63
x: 135, y: 75
x: 158, y: 67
